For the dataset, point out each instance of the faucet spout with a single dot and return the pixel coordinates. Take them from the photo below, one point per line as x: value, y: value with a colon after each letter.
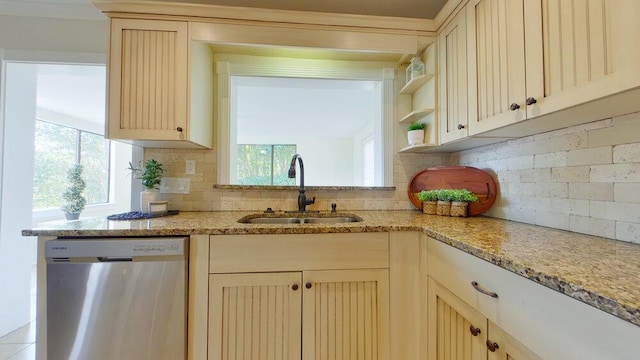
x: 302, y: 198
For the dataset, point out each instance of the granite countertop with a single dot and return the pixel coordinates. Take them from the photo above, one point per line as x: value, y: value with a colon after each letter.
x: 600, y: 272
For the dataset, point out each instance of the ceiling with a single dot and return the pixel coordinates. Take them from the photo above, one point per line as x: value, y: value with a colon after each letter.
x: 83, y: 9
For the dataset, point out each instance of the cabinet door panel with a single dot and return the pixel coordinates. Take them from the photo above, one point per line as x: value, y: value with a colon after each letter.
x: 255, y: 316
x: 508, y: 347
x: 497, y: 54
x: 452, y: 48
x: 346, y: 315
x: 450, y: 323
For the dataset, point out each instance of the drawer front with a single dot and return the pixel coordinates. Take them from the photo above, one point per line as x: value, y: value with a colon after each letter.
x: 295, y: 252
x: 549, y: 323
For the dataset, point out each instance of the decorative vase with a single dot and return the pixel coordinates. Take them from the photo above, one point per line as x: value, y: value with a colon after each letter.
x: 459, y: 208
x: 429, y: 207
x: 146, y: 196
x: 415, y: 137
x: 443, y: 208
x: 71, y: 216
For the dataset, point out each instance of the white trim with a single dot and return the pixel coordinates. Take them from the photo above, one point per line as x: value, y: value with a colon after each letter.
x: 50, y: 10
x: 43, y: 57
x: 57, y: 118
x: 242, y: 65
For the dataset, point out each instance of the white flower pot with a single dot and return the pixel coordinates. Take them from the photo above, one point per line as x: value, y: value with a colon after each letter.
x: 415, y: 137
x: 145, y: 197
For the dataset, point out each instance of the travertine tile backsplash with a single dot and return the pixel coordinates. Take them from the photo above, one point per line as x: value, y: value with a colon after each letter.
x: 584, y: 178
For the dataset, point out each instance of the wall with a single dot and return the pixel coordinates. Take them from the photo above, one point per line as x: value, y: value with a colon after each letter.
x: 584, y: 178
x: 204, y: 197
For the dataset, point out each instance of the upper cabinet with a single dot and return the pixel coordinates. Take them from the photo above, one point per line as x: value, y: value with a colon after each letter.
x: 531, y: 58
x: 452, y: 75
x: 149, y: 86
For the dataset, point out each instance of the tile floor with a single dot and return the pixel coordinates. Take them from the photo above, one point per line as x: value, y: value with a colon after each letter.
x: 20, y: 344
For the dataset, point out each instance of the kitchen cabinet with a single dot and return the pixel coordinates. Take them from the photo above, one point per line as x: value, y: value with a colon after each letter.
x: 453, y: 86
x: 328, y: 307
x: 526, y: 319
x: 532, y: 58
x: 458, y: 331
x: 418, y: 95
x: 149, y: 85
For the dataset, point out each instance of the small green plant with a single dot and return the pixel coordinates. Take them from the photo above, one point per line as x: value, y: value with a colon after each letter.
x: 150, y: 173
x: 463, y: 195
x: 427, y: 195
x: 74, y: 202
x: 416, y: 126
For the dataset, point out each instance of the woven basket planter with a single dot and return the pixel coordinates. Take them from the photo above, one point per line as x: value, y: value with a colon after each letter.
x: 459, y: 208
x: 429, y: 207
x: 443, y: 208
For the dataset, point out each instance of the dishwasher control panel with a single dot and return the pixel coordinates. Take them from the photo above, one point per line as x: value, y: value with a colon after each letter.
x: 115, y: 247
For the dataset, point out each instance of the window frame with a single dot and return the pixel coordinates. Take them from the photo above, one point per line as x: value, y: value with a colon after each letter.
x: 228, y: 65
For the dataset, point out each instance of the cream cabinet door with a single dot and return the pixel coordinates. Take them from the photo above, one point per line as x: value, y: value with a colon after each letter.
x: 255, y: 316
x: 452, y: 72
x: 455, y: 329
x: 148, y: 77
x: 502, y: 346
x: 580, y: 50
x: 497, y: 59
x: 345, y: 315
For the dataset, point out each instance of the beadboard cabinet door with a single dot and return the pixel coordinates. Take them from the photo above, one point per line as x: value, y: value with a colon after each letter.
x: 148, y: 79
x: 452, y: 72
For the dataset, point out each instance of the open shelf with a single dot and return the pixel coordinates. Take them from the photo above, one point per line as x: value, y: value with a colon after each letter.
x: 415, y: 115
x: 415, y: 84
x: 417, y: 148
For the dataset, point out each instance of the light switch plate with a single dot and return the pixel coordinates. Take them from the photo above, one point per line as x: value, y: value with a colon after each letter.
x: 170, y: 185
x: 190, y: 168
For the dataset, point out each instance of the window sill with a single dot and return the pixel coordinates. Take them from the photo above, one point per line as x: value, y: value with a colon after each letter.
x: 295, y: 187
x: 89, y: 211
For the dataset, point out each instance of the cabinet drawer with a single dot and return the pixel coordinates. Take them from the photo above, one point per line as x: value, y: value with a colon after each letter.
x: 542, y: 319
x: 295, y: 252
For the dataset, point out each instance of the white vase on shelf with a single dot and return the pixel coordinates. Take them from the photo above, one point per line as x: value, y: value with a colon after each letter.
x: 146, y: 196
x: 415, y: 137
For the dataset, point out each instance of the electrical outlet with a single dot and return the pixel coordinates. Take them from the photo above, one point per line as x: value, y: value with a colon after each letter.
x: 191, y: 167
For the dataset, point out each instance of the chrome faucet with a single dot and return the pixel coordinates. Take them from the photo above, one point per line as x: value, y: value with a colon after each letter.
x: 302, y: 198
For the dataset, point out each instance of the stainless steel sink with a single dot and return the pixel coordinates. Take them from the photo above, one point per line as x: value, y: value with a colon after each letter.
x: 288, y: 219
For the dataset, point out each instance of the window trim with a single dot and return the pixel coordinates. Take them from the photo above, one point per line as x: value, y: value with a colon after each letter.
x: 243, y: 65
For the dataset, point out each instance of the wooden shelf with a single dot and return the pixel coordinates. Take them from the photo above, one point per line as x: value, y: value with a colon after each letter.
x: 417, y: 148
x: 415, y: 115
x: 415, y: 84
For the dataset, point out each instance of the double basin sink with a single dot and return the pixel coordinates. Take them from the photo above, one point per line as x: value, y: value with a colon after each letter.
x: 299, y: 218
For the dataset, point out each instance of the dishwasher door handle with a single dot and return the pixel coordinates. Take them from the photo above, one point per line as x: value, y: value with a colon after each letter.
x: 114, y: 259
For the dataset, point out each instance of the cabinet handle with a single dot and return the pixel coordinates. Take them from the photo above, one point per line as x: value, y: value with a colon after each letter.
x: 483, y: 290
x: 492, y: 346
x: 308, y: 285
x: 460, y: 126
x: 514, y: 107
x: 531, y: 100
x: 474, y: 330
x: 294, y: 287
x: 179, y: 129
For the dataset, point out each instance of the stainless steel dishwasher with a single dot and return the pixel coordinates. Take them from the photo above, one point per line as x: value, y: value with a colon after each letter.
x: 116, y: 298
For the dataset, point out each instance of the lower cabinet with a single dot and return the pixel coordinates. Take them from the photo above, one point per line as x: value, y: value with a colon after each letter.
x: 458, y: 331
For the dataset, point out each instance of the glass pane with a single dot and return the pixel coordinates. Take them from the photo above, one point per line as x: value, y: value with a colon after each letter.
x: 55, y: 152
x: 255, y: 165
x: 282, y: 155
x: 94, y: 156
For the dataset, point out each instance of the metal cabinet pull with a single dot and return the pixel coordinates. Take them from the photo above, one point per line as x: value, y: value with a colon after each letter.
x: 179, y: 129
x: 308, y: 285
x: 531, y: 100
x: 294, y: 287
x: 483, y: 290
x: 492, y: 346
x: 514, y: 107
x: 474, y: 330
x: 460, y: 126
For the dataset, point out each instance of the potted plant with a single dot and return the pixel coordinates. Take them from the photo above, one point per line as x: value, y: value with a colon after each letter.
x: 415, y: 135
x: 73, y: 201
x: 443, y: 207
x: 460, y: 199
x: 429, y: 200
x: 150, y: 173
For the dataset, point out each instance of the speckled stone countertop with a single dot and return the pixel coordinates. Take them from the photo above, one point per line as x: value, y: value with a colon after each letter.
x: 600, y: 272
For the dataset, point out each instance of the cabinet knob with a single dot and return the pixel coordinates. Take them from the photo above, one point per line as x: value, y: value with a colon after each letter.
x: 294, y: 287
x: 492, y: 346
x: 514, y: 107
x: 531, y: 100
x: 460, y: 126
x: 308, y: 285
x: 474, y: 330
x: 179, y: 129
